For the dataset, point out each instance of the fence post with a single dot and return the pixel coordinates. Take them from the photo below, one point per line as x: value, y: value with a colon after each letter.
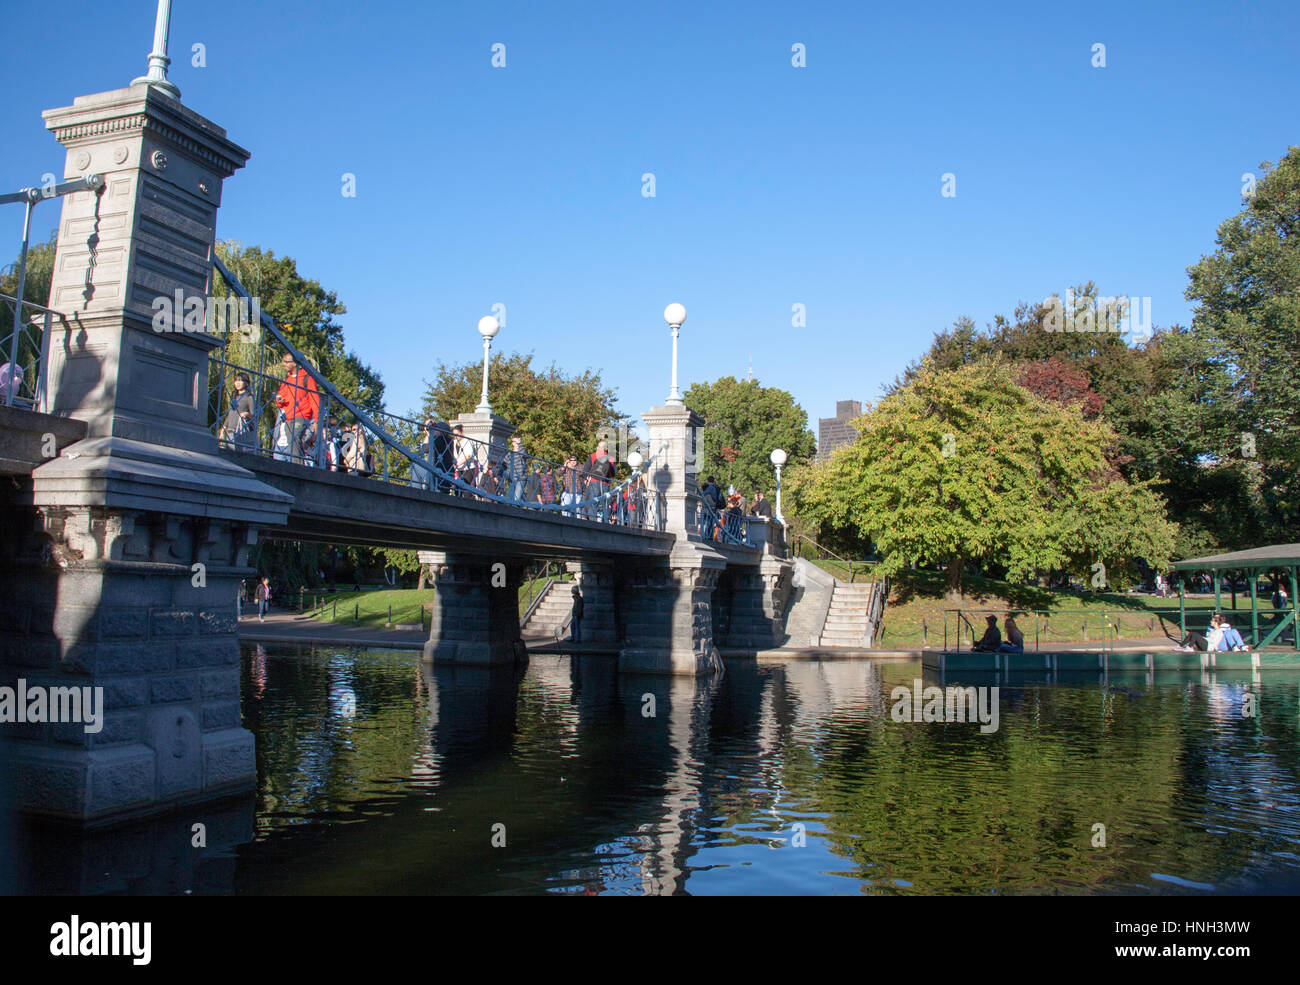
x: 356, y: 615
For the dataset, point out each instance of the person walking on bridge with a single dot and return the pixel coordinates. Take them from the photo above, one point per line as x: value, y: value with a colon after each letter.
x: 571, y: 481
x: 600, y: 465
x: 299, y: 400
x: 515, y: 466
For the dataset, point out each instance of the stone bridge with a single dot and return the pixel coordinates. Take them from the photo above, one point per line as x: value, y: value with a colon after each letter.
x: 128, y: 528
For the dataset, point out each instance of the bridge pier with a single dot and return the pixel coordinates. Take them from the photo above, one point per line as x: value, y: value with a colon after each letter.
x: 111, y: 603
x: 667, y: 616
x: 596, y: 582
x: 129, y: 546
x: 475, y: 610
x: 756, y: 598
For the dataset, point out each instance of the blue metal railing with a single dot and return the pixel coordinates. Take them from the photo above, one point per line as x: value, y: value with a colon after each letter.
x: 24, y: 352
x: 302, y: 421
x: 735, y: 529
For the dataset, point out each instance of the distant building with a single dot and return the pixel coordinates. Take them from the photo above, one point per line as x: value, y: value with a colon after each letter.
x: 834, y: 432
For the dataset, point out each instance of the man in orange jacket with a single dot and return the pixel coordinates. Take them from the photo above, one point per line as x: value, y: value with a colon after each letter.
x: 299, y: 400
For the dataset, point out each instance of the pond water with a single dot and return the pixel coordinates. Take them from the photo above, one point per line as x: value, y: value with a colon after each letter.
x: 380, y: 775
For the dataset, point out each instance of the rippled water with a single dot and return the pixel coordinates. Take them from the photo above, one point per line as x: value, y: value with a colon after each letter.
x: 378, y: 774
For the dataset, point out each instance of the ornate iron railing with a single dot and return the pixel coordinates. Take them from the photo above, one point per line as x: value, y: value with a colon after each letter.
x: 24, y: 352
x: 735, y: 529
x: 307, y: 421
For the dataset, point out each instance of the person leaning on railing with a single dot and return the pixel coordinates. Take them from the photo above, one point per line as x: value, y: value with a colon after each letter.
x: 237, y: 428
x: 299, y: 401
x: 735, y: 518
x: 464, y: 456
x: 571, y: 484
x: 515, y: 467
x: 600, y: 467
x: 419, y: 474
x: 546, y: 484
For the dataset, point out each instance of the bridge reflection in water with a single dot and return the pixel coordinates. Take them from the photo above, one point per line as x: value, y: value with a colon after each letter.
x: 380, y: 774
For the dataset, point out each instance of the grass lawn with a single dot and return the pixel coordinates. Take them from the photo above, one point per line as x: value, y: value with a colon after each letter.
x: 917, y: 603
x: 373, y: 606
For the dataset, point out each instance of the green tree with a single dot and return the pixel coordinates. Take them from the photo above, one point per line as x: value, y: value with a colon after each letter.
x: 744, y: 422
x: 306, y: 312
x: 1248, y: 319
x: 966, y: 466
x: 40, y: 274
x: 36, y: 290
x: 556, y: 414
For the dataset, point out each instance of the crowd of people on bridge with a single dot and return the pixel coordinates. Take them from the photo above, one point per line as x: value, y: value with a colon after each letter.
x: 450, y: 462
x: 724, y: 518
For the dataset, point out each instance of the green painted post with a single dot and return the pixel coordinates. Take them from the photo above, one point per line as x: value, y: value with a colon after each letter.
x: 1254, y: 612
x: 1295, y: 611
x: 1218, y: 585
x: 1182, y: 608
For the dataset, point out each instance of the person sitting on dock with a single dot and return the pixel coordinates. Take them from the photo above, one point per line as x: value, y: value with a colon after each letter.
x: 1214, y: 638
x: 991, y: 640
x: 1229, y: 638
x: 1015, y: 638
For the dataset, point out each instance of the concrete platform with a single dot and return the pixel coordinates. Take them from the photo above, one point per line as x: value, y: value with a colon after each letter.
x: 1110, y: 660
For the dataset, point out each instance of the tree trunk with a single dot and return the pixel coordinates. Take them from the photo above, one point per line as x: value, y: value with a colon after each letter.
x: 954, y: 579
x: 424, y: 575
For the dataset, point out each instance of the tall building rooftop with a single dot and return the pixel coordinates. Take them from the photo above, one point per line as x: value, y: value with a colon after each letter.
x: 834, y: 432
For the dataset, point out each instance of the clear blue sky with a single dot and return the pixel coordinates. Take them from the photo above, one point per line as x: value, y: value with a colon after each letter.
x: 775, y: 185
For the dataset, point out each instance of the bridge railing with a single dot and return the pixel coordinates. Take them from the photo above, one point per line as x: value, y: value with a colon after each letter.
x: 24, y: 352
x: 305, y: 420
x: 735, y: 529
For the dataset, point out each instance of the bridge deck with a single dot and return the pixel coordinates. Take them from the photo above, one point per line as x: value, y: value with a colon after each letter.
x: 334, y: 507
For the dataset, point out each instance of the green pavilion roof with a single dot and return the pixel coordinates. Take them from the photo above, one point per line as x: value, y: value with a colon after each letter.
x: 1275, y: 556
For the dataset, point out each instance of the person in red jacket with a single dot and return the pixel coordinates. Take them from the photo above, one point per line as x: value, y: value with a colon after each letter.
x: 299, y: 399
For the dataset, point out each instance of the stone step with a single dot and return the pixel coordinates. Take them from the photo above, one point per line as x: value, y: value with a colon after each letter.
x: 842, y: 635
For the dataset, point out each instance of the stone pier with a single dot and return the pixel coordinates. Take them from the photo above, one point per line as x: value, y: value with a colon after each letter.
x: 475, y: 610
x: 124, y: 552
x: 596, y: 581
x: 665, y: 607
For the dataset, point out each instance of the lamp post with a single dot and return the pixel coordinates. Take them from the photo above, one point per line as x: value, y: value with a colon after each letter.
x: 635, y: 460
x: 778, y: 459
x: 488, y: 328
x: 675, y: 316
x: 158, y: 60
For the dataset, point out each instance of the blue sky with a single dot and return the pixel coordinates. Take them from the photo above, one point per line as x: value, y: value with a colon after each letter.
x: 774, y: 185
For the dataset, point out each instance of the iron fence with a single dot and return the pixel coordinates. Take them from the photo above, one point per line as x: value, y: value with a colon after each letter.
x: 24, y: 352
x: 725, y: 528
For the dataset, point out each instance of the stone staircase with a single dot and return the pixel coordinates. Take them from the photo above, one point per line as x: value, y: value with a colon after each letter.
x: 847, y: 622
x: 825, y: 611
x: 552, y: 612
